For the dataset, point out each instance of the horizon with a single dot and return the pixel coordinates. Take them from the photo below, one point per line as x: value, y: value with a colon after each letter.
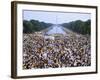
x: 55, y: 17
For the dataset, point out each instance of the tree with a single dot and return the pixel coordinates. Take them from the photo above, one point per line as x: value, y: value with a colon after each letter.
x: 34, y: 25
x: 27, y: 27
x: 82, y: 27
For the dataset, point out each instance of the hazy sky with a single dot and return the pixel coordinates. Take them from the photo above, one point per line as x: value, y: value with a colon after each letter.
x: 54, y: 17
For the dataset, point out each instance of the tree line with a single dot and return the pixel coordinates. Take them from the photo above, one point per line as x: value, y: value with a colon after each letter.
x: 78, y: 26
x: 34, y: 25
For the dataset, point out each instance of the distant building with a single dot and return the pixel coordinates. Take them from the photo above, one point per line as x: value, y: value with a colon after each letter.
x: 49, y: 37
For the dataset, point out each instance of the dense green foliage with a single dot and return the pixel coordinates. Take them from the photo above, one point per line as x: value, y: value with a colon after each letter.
x: 82, y: 27
x: 34, y: 25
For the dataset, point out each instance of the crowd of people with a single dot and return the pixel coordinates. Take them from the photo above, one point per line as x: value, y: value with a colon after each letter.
x: 63, y: 51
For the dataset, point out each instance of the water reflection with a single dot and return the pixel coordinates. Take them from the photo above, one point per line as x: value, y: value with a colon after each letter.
x: 56, y: 29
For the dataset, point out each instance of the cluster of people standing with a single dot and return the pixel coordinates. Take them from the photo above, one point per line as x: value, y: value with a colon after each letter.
x: 63, y: 51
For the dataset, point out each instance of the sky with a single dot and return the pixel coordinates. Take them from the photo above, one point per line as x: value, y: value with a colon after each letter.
x: 55, y: 17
